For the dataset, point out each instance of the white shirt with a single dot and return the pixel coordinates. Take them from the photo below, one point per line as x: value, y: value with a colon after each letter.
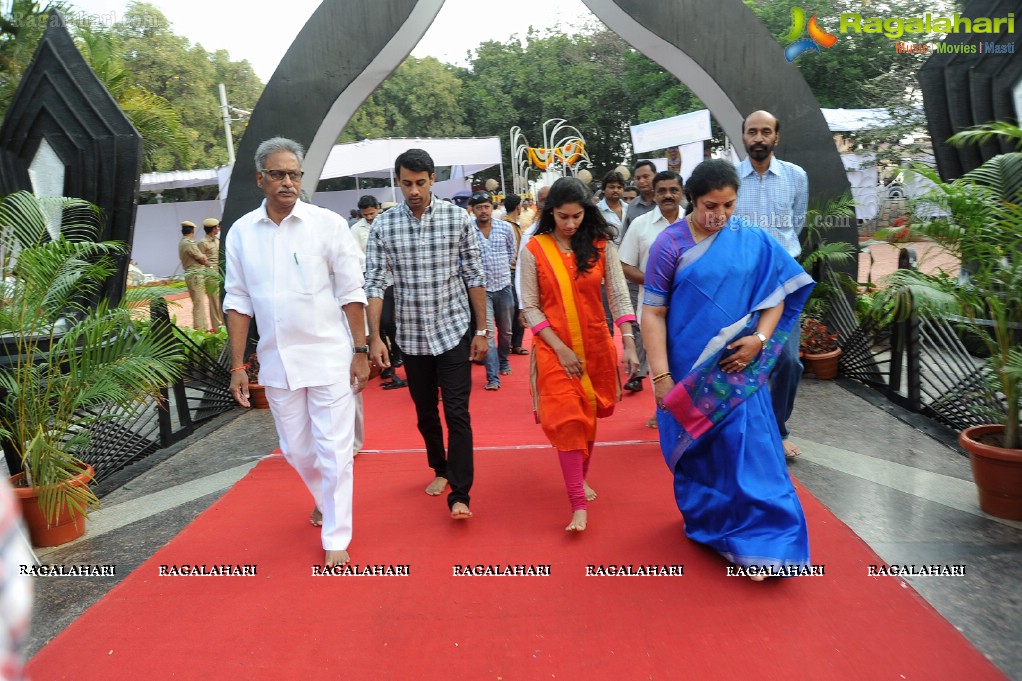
x: 360, y: 230
x: 294, y: 278
x: 639, y: 238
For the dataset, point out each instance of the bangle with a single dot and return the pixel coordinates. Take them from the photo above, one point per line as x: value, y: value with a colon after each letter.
x: 660, y: 377
x: 762, y: 339
x: 628, y: 335
x: 241, y: 368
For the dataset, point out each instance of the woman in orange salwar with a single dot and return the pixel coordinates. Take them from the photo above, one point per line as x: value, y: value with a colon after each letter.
x: 564, y: 269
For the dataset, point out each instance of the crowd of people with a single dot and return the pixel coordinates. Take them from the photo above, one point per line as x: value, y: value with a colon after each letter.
x: 698, y: 278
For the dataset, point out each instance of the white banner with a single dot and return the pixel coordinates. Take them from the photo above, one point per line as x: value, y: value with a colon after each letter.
x: 671, y: 132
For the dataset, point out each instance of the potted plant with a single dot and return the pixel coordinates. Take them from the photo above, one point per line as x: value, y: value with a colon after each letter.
x: 66, y: 358
x: 256, y: 391
x: 820, y: 351
x: 983, y: 228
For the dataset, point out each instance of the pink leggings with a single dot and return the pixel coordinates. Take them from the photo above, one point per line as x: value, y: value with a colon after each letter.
x: 575, y: 468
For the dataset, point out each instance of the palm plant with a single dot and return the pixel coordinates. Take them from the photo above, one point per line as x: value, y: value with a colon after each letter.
x: 983, y: 228
x: 825, y: 259
x: 64, y: 363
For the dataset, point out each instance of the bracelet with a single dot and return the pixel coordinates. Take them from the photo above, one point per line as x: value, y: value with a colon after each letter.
x: 243, y: 367
x: 660, y: 377
x: 628, y: 335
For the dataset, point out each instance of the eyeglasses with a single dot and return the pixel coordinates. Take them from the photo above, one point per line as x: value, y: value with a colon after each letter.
x: 278, y: 175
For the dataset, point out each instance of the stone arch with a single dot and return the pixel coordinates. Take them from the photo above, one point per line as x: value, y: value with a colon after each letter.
x: 720, y: 50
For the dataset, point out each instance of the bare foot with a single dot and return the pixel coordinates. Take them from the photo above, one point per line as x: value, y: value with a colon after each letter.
x: 316, y: 517
x: 652, y: 423
x: 590, y: 492
x: 578, y: 521
x: 757, y: 578
x: 790, y: 450
x: 336, y: 558
x: 436, y: 488
x: 459, y: 511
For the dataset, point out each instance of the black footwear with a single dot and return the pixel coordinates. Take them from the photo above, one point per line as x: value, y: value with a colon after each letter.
x: 398, y: 363
x: 387, y: 374
x: 396, y: 383
x: 634, y: 384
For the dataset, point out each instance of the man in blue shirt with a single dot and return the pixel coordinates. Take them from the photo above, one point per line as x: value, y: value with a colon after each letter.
x: 774, y: 195
x: 497, y: 243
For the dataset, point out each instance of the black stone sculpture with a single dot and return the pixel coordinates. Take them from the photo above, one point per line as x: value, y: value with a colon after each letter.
x: 61, y: 101
x: 962, y: 88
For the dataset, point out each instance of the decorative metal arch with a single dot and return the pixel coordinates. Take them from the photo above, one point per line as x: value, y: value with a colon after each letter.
x: 720, y: 50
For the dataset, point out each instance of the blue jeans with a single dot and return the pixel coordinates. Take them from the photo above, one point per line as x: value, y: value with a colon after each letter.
x: 500, y: 310
x: 784, y: 380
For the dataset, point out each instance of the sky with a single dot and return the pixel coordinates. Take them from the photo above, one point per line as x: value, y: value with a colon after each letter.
x: 262, y: 38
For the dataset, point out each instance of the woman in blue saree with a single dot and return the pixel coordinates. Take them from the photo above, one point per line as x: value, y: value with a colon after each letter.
x: 721, y: 299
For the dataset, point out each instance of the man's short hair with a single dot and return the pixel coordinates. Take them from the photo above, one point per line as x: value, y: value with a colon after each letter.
x: 275, y: 145
x: 209, y: 224
x: 187, y: 227
x: 415, y: 160
x: 667, y: 175
x: 613, y: 177
x: 645, y: 162
x: 511, y: 202
x: 367, y: 201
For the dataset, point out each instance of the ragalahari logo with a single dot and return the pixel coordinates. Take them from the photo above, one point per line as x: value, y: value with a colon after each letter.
x: 797, y: 44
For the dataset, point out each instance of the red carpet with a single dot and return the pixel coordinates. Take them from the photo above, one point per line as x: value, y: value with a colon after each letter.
x: 284, y: 623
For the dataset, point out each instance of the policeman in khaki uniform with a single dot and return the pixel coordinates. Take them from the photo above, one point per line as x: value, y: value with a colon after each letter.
x: 193, y: 262
x: 210, y: 247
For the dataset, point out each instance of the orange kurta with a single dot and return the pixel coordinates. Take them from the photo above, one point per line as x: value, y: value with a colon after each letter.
x: 567, y: 408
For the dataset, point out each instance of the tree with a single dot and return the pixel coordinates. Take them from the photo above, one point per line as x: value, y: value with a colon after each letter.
x: 579, y: 77
x: 420, y: 99
x: 153, y: 116
x: 861, y: 70
x: 168, y: 65
x: 22, y: 24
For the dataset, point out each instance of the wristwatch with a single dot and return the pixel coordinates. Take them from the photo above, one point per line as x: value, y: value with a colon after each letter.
x: 482, y: 332
x: 363, y: 349
x: 761, y: 337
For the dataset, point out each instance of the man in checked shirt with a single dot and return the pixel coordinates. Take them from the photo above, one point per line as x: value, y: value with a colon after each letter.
x: 430, y: 248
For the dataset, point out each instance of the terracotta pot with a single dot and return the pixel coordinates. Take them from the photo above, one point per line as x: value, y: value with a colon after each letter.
x: 824, y: 366
x: 257, y: 396
x: 997, y: 472
x: 67, y: 527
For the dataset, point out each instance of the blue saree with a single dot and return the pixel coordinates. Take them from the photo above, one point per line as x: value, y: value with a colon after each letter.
x: 717, y: 430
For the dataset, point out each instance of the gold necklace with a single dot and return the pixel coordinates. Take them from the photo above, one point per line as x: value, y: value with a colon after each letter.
x: 566, y: 249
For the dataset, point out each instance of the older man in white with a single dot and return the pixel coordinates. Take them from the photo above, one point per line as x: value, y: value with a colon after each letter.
x: 295, y: 268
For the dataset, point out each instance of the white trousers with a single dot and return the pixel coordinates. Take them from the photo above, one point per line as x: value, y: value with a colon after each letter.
x: 316, y: 427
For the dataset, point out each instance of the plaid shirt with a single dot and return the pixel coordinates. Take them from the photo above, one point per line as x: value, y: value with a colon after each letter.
x: 432, y: 261
x: 775, y: 201
x: 498, y: 254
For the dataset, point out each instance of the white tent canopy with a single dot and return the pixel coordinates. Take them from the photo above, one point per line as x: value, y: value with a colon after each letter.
x: 368, y: 158
x: 375, y: 158
x: 178, y: 179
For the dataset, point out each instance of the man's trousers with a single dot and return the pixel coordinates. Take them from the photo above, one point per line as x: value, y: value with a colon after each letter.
x: 316, y: 427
